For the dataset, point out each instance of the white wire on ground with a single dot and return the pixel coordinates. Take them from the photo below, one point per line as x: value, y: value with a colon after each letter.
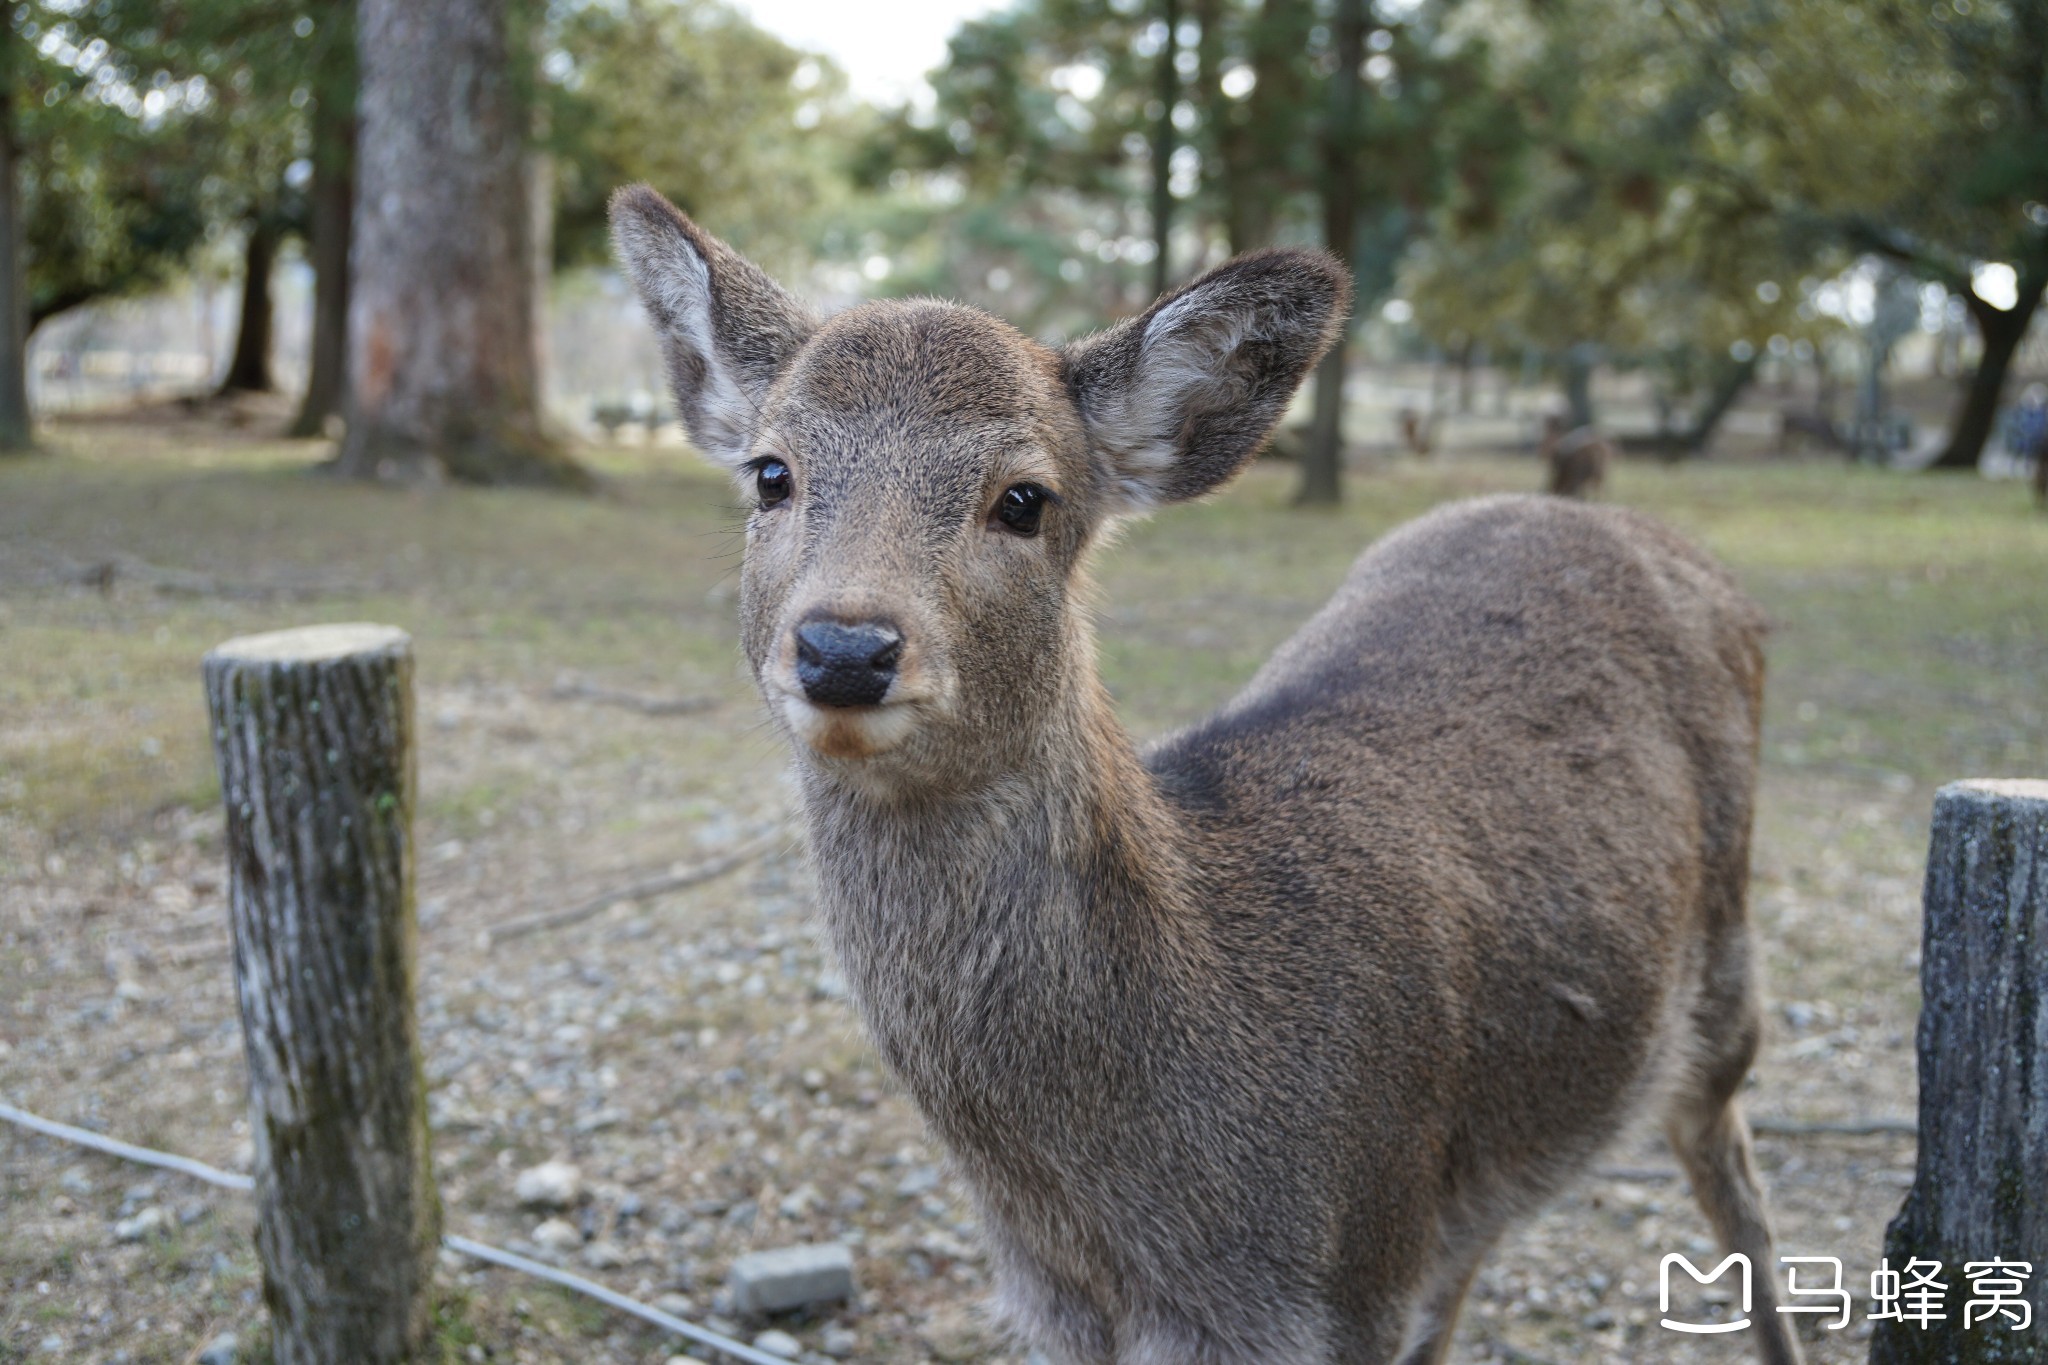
x: 229, y: 1180
x: 702, y: 1335
x: 127, y: 1151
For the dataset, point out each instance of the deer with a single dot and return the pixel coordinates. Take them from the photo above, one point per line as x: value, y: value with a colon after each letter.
x: 1250, y: 1043
x: 1576, y: 459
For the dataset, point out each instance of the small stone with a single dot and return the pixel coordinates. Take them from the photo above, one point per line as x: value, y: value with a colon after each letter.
x: 220, y: 1351
x: 839, y: 1342
x: 921, y: 1180
x: 550, y: 1185
x: 791, y: 1277
x: 147, y: 1223
x: 75, y: 1181
x: 676, y: 1305
x: 779, y: 1344
x: 557, y: 1235
x: 682, y: 1360
x: 603, y: 1256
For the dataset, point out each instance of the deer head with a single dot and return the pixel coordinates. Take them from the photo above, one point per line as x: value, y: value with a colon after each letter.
x: 924, y: 482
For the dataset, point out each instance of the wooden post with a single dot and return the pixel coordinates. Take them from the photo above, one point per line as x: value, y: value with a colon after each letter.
x: 1981, y: 1190
x: 313, y: 733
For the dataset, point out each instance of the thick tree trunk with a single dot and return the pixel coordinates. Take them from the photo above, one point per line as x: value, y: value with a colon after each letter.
x: 441, y: 345
x: 249, y: 369
x: 1322, y: 464
x: 1168, y: 94
x: 313, y: 734
x: 333, y: 200
x: 2003, y: 330
x: 1981, y: 1188
x: 16, y: 430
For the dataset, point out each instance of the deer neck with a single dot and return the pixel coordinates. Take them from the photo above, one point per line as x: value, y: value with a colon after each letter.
x: 1010, y: 920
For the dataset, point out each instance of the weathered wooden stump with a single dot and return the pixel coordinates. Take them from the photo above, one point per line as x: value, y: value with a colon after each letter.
x: 313, y: 734
x: 1981, y: 1190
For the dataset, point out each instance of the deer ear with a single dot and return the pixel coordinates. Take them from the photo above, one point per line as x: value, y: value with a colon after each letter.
x: 726, y: 329
x: 1179, y: 398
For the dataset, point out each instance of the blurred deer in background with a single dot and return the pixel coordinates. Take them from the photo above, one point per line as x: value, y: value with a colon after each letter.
x: 1251, y: 1043
x: 1577, y: 460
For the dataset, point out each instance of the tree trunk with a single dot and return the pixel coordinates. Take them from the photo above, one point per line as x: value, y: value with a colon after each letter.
x: 441, y: 345
x: 249, y: 370
x: 16, y: 430
x: 1322, y: 463
x: 1734, y: 377
x: 1578, y: 383
x: 2003, y: 329
x: 1168, y: 95
x: 333, y: 198
x: 313, y: 735
x: 1981, y: 1187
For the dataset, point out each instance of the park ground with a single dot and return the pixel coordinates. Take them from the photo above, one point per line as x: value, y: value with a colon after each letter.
x: 585, y: 721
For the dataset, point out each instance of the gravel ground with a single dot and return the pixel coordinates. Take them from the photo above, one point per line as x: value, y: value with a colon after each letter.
x: 693, y: 1056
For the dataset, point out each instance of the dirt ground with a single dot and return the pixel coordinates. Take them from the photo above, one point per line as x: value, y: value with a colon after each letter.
x: 693, y: 1055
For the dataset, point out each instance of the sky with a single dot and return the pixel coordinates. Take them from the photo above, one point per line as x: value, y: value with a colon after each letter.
x: 884, y: 46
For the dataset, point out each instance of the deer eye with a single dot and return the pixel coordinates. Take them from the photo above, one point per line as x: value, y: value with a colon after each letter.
x: 1020, y: 507
x: 771, y: 482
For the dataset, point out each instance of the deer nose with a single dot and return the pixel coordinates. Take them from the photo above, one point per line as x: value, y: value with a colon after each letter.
x: 841, y: 665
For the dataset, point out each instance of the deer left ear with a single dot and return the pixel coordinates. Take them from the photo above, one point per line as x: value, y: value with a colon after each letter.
x: 1179, y: 398
x: 726, y: 329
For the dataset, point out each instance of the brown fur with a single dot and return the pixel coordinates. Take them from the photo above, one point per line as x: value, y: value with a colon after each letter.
x: 1249, y: 1044
x: 1577, y: 460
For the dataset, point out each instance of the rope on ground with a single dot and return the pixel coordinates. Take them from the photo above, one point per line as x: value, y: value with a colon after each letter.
x: 1878, y: 1127
x: 229, y: 1180
x: 127, y: 1151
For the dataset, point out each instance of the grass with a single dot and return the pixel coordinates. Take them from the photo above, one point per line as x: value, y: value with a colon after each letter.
x: 1909, y: 630
x: 1909, y: 643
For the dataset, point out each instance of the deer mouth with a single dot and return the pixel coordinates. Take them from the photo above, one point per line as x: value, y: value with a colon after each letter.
x: 847, y: 732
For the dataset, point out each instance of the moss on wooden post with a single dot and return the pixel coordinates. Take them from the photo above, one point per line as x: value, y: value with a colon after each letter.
x: 1981, y: 1189
x: 313, y: 734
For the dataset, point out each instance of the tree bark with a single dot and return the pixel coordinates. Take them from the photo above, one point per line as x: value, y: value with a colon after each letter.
x: 1168, y: 94
x: 2003, y: 329
x: 313, y: 735
x: 1981, y: 1187
x: 16, y: 429
x: 249, y: 369
x: 333, y: 199
x: 1322, y: 464
x: 443, y: 372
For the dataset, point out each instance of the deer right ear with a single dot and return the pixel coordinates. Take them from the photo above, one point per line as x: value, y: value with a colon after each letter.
x: 1179, y: 398
x: 726, y: 329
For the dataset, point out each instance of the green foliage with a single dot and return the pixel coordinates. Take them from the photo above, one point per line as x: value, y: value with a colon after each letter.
x: 730, y: 122
x: 113, y: 196
x: 149, y: 127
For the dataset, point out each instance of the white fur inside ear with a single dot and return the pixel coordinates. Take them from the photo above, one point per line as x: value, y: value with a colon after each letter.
x: 675, y: 285
x: 1183, y: 368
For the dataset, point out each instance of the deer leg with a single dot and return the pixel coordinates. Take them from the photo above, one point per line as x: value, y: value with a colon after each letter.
x: 1711, y: 1139
x: 1440, y: 1314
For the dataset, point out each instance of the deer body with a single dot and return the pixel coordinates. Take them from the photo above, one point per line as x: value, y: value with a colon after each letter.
x: 1251, y: 1044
